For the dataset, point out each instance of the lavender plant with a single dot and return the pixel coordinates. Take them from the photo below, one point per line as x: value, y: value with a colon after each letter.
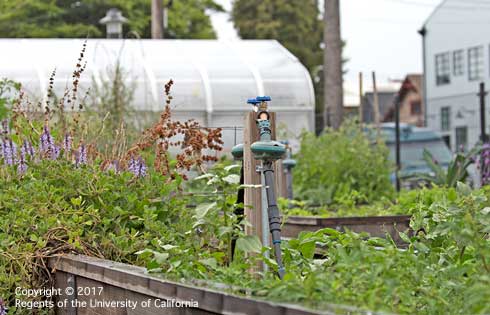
x: 483, y: 164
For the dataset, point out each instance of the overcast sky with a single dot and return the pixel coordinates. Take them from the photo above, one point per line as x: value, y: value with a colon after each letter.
x: 380, y: 35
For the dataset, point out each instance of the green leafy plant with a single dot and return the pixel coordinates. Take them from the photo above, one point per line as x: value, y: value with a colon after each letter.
x: 8, y: 94
x: 456, y: 171
x: 340, y: 167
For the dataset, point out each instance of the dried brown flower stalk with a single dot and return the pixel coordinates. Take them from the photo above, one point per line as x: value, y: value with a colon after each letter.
x: 163, y: 135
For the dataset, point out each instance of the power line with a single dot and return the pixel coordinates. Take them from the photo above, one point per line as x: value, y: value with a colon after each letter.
x: 458, y: 7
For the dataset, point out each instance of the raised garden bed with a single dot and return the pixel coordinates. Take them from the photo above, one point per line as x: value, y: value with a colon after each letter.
x: 106, y: 281
x: 377, y: 226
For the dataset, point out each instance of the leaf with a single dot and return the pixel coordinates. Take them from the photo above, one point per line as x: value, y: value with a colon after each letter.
x: 76, y: 201
x: 230, y: 167
x: 152, y: 265
x: 168, y: 246
x: 232, y: 179
x: 249, y: 244
x: 452, y: 195
x: 203, y: 209
x: 307, y: 249
x: 160, y: 257
x: 421, y: 247
x: 210, y: 262
x: 204, y: 176
x: 485, y: 210
x: 463, y: 189
x: 404, y: 237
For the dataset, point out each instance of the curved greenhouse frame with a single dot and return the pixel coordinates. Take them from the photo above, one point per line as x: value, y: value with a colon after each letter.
x: 212, y: 78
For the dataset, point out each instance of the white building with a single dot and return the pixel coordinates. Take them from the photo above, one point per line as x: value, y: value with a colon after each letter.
x: 212, y: 78
x: 456, y: 44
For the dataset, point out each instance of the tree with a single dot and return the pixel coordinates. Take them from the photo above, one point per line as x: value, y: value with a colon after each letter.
x: 75, y: 19
x: 295, y: 24
x: 334, y: 103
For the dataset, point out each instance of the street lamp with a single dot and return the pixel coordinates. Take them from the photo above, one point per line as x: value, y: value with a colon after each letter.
x: 114, y: 22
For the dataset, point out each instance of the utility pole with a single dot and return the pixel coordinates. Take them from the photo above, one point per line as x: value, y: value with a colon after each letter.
x: 332, y: 64
x: 377, y: 118
x: 397, y: 141
x: 156, y: 19
x: 482, y: 94
x: 361, y: 93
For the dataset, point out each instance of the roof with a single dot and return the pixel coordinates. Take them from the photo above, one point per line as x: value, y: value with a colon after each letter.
x: 208, y: 75
x: 437, y: 8
x: 416, y: 80
x: 385, y: 99
x: 408, y: 133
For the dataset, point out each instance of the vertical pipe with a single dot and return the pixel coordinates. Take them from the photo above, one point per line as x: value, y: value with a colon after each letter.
x: 274, y: 216
x: 482, y: 94
x: 397, y: 141
x: 423, y: 33
x: 289, y: 183
x: 265, y: 217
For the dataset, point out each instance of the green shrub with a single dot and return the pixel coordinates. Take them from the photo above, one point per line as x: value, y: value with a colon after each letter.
x: 8, y: 92
x: 340, y: 167
x: 56, y: 209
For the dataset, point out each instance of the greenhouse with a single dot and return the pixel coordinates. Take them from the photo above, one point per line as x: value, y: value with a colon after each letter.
x: 213, y: 78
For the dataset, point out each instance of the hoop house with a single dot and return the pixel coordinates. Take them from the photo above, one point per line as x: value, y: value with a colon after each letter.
x: 213, y: 78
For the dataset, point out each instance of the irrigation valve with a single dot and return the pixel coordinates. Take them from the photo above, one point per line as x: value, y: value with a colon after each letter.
x: 265, y: 149
x: 289, y: 163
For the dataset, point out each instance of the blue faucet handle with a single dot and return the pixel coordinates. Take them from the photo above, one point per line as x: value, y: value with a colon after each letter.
x: 263, y: 98
x: 252, y: 101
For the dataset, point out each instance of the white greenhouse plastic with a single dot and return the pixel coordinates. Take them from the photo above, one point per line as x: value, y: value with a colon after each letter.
x: 212, y: 78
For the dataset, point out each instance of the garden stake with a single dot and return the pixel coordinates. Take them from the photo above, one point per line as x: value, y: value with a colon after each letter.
x: 265, y: 216
x: 269, y: 151
x: 289, y: 163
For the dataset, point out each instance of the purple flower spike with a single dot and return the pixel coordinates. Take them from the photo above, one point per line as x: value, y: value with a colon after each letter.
x: 81, y: 155
x: 3, y: 307
x: 483, y: 164
x: 137, y: 167
x: 113, y: 166
x: 46, y: 140
x: 55, y: 152
x: 141, y: 167
x: 28, y: 149
x: 5, y: 127
x: 132, y: 167
x: 67, y: 142
x: 47, y: 146
x: 9, y: 152
x: 22, y: 165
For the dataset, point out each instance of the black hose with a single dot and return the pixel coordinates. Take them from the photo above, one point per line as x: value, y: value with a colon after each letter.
x: 274, y: 216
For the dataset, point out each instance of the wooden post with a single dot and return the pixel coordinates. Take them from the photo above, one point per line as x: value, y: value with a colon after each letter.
x: 361, y: 92
x: 252, y: 199
x: 377, y: 119
x: 156, y: 19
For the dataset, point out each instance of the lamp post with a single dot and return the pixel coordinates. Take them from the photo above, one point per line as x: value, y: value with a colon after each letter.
x: 114, y: 21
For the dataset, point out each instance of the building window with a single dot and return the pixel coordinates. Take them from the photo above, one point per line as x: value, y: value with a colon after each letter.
x: 461, y: 138
x: 443, y: 70
x: 447, y: 140
x: 415, y: 107
x: 458, y: 62
x: 445, y: 118
x: 475, y: 63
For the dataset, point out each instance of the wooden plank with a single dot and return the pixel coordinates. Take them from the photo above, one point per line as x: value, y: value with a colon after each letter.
x: 121, y: 281
x: 252, y: 197
x: 375, y: 226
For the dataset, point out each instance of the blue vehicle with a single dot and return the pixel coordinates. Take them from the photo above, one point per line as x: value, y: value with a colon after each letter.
x: 413, y: 142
